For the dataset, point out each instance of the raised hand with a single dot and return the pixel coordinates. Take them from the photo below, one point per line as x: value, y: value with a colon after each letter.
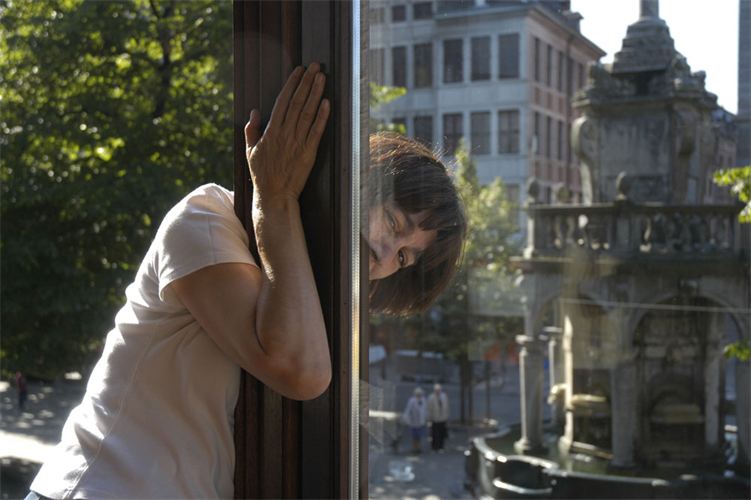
x: 281, y: 159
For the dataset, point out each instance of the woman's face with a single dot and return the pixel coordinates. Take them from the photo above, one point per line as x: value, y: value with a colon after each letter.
x: 395, y: 239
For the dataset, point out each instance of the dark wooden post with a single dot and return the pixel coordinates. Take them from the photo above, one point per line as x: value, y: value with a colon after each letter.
x: 287, y: 449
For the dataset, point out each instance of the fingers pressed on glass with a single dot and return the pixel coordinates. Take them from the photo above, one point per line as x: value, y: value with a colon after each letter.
x: 316, y: 131
x: 300, y: 96
x: 282, y: 101
x: 311, y: 106
x: 251, y: 129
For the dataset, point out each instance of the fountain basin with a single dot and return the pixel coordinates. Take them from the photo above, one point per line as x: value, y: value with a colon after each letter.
x: 493, y: 469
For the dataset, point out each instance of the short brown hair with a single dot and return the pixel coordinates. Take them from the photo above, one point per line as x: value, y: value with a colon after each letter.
x: 412, y: 176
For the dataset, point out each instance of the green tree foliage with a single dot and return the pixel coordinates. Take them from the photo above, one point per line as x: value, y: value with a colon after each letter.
x: 487, y: 252
x: 739, y: 180
x: 380, y: 95
x: 110, y: 112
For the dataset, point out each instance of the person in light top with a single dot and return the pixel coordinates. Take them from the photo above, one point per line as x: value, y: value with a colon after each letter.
x: 415, y: 416
x: 152, y: 424
x: 438, y: 415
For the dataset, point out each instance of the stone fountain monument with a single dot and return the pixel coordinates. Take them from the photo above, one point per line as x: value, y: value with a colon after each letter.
x: 644, y: 281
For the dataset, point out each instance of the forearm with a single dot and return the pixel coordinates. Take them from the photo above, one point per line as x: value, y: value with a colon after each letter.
x: 289, y: 321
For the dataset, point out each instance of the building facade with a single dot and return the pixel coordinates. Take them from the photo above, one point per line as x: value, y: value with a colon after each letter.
x: 499, y: 74
x: 743, y: 119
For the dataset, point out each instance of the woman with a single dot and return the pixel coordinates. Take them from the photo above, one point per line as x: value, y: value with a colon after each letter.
x: 156, y: 419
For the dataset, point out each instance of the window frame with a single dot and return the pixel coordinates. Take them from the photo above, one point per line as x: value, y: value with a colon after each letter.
x: 417, y: 129
x: 422, y: 11
x: 508, y: 136
x: 454, y: 138
x: 402, y: 8
x: 454, y: 72
x: 503, y: 72
x: 474, y: 133
x: 418, y: 81
x: 402, y: 69
x: 287, y: 448
x: 478, y: 59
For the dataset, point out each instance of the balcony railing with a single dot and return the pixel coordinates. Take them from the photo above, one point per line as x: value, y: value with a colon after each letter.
x: 624, y: 229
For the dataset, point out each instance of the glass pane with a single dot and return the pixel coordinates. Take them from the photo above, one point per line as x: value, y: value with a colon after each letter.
x: 508, y: 55
x: 399, y: 66
x: 481, y: 58
x: 578, y: 347
x: 453, y: 61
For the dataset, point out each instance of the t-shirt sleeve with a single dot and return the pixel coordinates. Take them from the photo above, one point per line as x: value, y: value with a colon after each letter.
x: 200, y: 231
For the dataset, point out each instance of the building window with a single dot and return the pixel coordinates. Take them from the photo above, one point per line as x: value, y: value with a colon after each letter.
x: 570, y: 75
x: 398, y: 13
x: 376, y: 15
x: 423, y: 53
x: 453, y: 5
x: 481, y: 58
x: 399, y: 124
x: 560, y: 141
x: 508, y: 56
x: 537, y: 60
x: 453, y: 61
x: 508, y: 132
x: 452, y: 131
x: 568, y: 144
x: 537, y: 139
x: 422, y: 10
x: 561, y: 68
x: 548, y: 137
x: 376, y: 65
x: 423, y: 129
x: 549, y: 67
x: 399, y: 66
x: 480, y: 130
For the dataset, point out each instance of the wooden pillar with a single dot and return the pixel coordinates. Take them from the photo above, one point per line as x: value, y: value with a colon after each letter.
x: 284, y: 448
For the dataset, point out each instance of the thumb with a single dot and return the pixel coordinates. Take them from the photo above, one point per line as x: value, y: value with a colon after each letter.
x: 252, y: 129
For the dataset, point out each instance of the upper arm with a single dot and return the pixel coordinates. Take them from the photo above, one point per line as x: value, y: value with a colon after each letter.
x: 223, y: 300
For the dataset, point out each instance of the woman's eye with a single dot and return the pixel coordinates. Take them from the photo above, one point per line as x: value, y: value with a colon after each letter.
x: 391, y: 220
x: 402, y: 258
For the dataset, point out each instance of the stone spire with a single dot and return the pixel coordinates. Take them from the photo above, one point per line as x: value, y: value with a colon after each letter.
x: 650, y: 8
x: 648, y: 45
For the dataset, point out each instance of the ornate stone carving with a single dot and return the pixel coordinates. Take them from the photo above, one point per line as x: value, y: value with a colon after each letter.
x: 602, y: 84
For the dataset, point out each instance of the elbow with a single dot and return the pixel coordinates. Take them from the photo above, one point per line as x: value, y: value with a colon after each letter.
x: 314, y: 387
x: 301, y: 381
x: 307, y: 384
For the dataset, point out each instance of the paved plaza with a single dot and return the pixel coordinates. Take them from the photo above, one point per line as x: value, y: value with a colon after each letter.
x: 26, y: 438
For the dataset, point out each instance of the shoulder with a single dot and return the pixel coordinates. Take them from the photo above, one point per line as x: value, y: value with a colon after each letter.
x: 208, y: 197
x: 209, y: 204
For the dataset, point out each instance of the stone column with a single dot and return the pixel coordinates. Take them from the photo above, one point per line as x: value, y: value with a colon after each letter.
x: 557, y: 375
x: 531, y: 382
x: 712, y: 385
x: 624, y: 411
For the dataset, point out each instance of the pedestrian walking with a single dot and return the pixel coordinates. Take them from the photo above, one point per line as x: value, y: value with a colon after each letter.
x: 415, y: 416
x: 438, y: 415
x: 22, y: 390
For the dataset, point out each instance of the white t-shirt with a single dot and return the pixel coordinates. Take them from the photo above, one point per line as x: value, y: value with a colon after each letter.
x: 157, y: 417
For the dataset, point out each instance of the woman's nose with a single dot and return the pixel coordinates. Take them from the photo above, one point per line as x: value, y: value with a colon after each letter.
x: 389, y: 248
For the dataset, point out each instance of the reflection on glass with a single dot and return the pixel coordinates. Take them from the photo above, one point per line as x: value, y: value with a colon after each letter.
x: 586, y: 332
